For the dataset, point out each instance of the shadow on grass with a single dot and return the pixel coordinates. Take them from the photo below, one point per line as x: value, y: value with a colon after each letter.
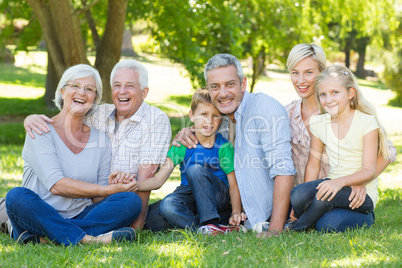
x: 372, y: 84
x: 10, y: 74
x: 182, y: 100
x: 395, y: 102
x: 17, y: 106
x: 389, y: 207
x: 7, y: 184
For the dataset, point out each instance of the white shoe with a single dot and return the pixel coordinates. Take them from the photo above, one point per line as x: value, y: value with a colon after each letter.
x: 264, y: 226
x: 261, y: 227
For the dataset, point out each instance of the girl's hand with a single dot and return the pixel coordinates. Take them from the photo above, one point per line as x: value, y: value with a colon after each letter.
x: 237, y: 218
x: 292, y: 215
x: 328, y: 189
x: 357, y: 196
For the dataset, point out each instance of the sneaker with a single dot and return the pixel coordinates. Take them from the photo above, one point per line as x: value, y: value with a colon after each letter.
x: 232, y: 228
x: 264, y: 226
x: 123, y: 234
x: 210, y: 229
x: 261, y: 227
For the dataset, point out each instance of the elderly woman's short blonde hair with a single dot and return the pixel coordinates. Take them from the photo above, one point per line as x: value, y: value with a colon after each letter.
x: 301, y: 51
x: 77, y: 72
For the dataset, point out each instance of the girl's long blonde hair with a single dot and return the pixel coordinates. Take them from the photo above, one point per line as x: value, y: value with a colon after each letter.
x: 344, y: 76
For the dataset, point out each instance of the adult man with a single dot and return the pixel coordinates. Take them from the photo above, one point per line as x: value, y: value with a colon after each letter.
x: 139, y: 133
x: 258, y: 126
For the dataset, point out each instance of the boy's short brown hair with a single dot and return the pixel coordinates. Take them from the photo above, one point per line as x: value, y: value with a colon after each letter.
x: 201, y: 95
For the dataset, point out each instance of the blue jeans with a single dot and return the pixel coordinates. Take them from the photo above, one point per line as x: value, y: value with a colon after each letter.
x: 205, y: 197
x: 308, y: 210
x: 28, y: 212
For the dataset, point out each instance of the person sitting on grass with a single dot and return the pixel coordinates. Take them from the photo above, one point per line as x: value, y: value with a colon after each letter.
x: 353, y: 137
x: 65, y: 195
x: 208, y: 182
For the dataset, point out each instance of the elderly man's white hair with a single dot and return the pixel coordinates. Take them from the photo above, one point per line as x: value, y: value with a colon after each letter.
x: 132, y: 65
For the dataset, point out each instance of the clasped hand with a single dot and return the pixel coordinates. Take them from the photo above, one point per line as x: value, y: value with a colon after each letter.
x: 124, y: 180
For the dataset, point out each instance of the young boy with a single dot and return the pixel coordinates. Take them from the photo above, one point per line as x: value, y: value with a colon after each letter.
x: 208, y: 183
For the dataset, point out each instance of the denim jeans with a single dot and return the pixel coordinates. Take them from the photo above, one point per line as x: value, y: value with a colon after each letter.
x: 340, y: 220
x: 28, y: 212
x: 309, y: 210
x: 189, y: 206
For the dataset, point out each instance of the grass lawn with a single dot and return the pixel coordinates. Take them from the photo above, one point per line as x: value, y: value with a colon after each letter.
x: 378, y: 246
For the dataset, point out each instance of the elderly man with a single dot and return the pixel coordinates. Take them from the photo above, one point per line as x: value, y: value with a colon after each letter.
x: 258, y: 127
x: 139, y: 133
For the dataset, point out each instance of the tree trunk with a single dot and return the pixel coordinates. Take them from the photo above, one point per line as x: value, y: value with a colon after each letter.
x: 361, y: 49
x: 258, y: 67
x: 127, y: 44
x: 347, y: 54
x: 51, y: 83
x: 109, y: 50
x: 62, y: 34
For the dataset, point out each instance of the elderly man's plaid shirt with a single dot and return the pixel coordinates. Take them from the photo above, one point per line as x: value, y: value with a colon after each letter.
x: 142, y: 139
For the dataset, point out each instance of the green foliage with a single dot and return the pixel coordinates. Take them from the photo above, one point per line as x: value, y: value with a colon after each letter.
x: 20, y: 27
x: 393, y: 67
x: 191, y: 32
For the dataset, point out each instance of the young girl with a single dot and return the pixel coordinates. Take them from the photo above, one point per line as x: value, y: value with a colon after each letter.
x: 349, y: 129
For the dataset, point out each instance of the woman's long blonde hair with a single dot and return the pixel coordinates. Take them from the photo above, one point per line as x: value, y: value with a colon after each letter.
x: 344, y: 76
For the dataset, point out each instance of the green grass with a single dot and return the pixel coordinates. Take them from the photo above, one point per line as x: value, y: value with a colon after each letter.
x: 377, y: 246
x: 9, y: 74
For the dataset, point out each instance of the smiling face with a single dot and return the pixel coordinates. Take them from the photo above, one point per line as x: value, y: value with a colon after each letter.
x: 127, y: 94
x: 303, y: 75
x: 206, y: 119
x: 334, y: 98
x: 79, y: 95
x: 226, y: 89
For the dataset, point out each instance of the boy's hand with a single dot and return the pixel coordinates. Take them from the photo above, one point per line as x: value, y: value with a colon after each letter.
x: 237, y: 218
x: 186, y: 137
x: 117, y: 177
x: 328, y: 189
x: 37, y: 123
x: 357, y: 196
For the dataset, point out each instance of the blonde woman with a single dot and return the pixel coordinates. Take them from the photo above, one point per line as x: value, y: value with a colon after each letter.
x: 304, y: 63
x: 349, y: 129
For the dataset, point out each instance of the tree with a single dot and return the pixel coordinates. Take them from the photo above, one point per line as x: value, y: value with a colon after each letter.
x: 69, y: 28
x: 191, y: 32
x: 355, y: 24
x: 275, y: 27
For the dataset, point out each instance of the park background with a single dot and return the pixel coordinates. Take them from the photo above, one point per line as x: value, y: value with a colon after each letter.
x: 174, y: 39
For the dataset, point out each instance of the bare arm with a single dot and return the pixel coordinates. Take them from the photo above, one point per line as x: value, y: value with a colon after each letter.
x: 186, y: 137
x: 236, y: 217
x: 79, y: 189
x: 159, y: 179
x: 37, y: 123
x: 144, y: 172
x: 328, y: 189
x: 281, y: 203
x: 314, y: 159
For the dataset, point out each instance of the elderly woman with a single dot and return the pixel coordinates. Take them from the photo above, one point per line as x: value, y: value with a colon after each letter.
x: 304, y: 63
x: 66, y: 196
